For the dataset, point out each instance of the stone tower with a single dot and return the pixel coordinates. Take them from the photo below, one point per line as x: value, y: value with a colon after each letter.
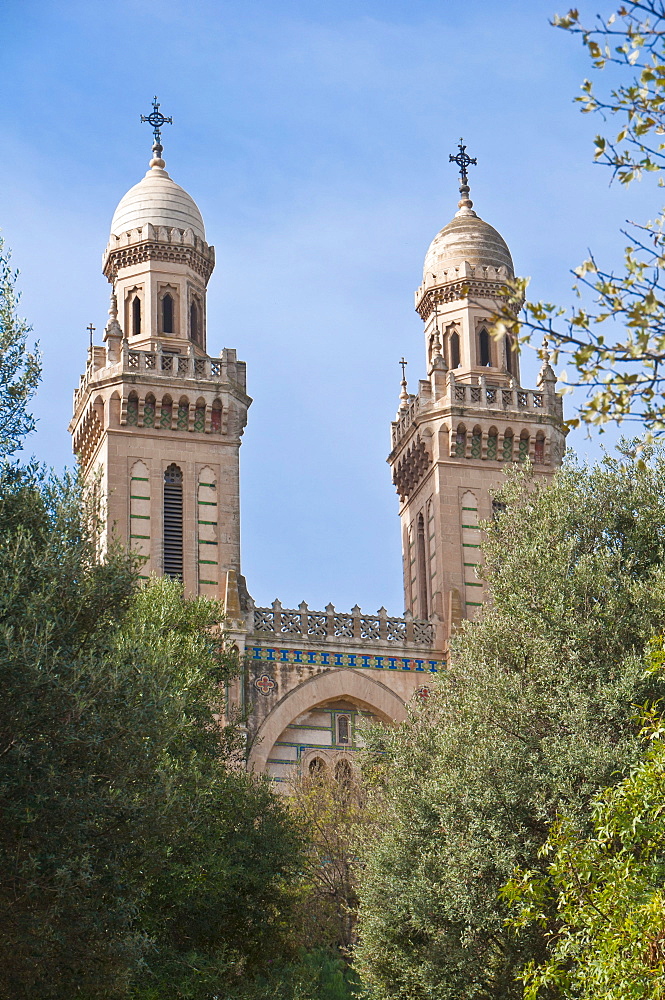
x: 157, y: 418
x: 452, y: 439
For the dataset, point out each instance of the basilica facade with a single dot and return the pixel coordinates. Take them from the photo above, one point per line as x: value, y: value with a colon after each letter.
x: 158, y: 423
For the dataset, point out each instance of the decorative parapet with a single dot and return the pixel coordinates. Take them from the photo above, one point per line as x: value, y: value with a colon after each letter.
x: 168, y: 365
x: 477, y: 397
x: 332, y: 626
x: 158, y: 243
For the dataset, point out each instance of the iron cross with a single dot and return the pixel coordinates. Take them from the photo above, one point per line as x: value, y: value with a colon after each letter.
x: 92, y: 329
x: 156, y: 119
x: 463, y: 160
x: 403, y: 363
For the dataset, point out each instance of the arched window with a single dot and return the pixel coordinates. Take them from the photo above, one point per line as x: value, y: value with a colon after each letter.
x: 476, y: 442
x: 133, y: 410
x: 485, y: 350
x: 498, y: 507
x: 343, y: 730
x: 317, y: 767
x: 166, y: 417
x: 492, y: 443
x: 508, y: 347
x: 507, y: 454
x: 136, y: 316
x: 167, y: 314
x: 173, y: 522
x: 216, y: 419
x: 539, y: 451
x: 343, y: 773
x: 149, y: 411
x: 195, y: 321
x: 460, y: 441
x: 454, y: 350
x: 524, y: 446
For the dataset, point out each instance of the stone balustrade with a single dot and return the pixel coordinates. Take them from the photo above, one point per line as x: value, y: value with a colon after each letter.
x: 334, y: 626
x: 482, y: 396
x: 162, y: 363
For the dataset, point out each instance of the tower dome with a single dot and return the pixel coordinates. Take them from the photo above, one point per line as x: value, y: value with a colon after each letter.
x: 467, y: 238
x: 157, y: 200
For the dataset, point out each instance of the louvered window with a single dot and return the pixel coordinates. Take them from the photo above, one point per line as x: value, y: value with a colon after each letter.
x: 173, y: 522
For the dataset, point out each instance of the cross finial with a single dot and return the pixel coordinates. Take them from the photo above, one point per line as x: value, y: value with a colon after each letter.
x: 463, y: 160
x: 157, y: 120
x: 403, y: 363
x: 91, y: 330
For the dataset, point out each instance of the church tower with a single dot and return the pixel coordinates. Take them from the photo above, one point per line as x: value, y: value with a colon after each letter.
x: 452, y: 439
x: 156, y: 417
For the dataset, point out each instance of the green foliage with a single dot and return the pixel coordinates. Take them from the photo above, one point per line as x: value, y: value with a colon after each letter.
x: 20, y: 369
x: 534, y: 716
x: 135, y: 855
x: 606, y: 889
x: 331, y: 813
x: 614, y: 341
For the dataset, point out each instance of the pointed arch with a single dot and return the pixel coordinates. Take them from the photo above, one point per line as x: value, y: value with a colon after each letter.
x: 484, y: 348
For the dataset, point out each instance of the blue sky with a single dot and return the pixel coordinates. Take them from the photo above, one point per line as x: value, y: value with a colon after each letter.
x: 315, y: 140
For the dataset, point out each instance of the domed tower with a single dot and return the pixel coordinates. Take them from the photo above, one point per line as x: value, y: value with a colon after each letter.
x: 471, y: 416
x: 156, y: 418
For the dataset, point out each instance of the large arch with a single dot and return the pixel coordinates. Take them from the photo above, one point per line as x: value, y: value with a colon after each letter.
x: 356, y: 685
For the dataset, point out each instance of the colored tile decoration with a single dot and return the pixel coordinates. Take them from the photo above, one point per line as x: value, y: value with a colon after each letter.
x: 423, y: 692
x: 167, y: 415
x: 524, y: 449
x: 132, y: 411
x: 507, y: 448
x: 200, y: 419
x: 183, y: 417
x: 491, y: 446
x: 265, y: 684
x: 148, y: 414
x: 329, y: 658
x: 475, y: 446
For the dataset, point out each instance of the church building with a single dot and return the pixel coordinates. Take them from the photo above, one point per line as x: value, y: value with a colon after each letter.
x: 158, y: 422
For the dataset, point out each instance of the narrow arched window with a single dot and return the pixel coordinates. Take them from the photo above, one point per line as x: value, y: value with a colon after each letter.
x: 460, y: 441
x: 539, y: 451
x: 485, y: 352
x: 194, y: 322
x: 476, y: 443
x: 317, y: 767
x: 523, y: 447
x: 454, y: 350
x: 509, y: 354
x: 343, y: 773
x: 173, y: 522
x: 133, y: 410
x: 136, y: 316
x: 167, y: 314
x: 216, y: 419
x: 507, y: 452
x: 343, y: 730
x: 492, y: 443
x: 421, y: 566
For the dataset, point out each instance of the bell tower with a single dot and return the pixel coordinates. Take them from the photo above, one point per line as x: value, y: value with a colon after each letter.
x: 156, y: 418
x: 452, y: 439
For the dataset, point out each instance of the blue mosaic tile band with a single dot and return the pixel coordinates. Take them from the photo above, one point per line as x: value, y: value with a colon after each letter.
x: 325, y: 658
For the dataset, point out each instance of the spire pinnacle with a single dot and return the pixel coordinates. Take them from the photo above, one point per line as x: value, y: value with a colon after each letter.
x: 404, y: 394
x: 157, y: 120
x: 463, y: 160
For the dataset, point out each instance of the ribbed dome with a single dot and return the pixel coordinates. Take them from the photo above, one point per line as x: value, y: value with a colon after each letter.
x: 467, y: 238
x: 158, y: 200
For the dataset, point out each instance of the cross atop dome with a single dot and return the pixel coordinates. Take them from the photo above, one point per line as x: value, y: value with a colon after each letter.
x: 157, y: 120
x: 463, y: 160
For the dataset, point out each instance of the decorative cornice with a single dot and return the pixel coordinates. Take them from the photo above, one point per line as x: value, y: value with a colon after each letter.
x: 463, y: 288
x: 138, y: 253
